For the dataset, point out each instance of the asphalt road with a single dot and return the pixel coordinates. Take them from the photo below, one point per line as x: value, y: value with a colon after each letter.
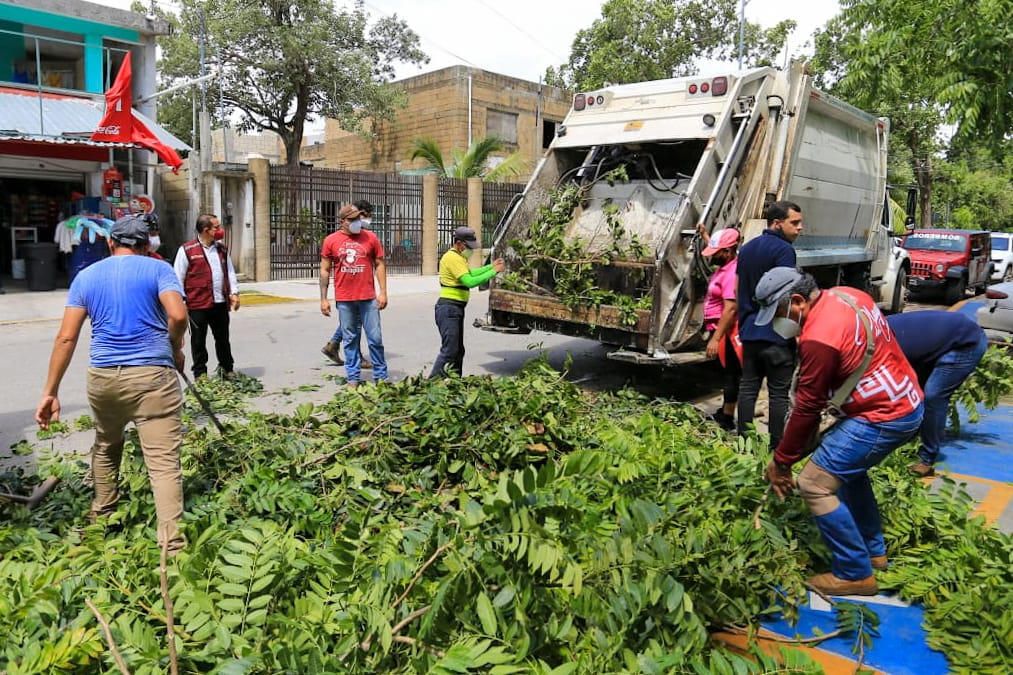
x: 280, y: 344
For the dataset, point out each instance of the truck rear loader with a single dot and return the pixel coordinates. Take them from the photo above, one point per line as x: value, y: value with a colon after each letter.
x: 651, y: 161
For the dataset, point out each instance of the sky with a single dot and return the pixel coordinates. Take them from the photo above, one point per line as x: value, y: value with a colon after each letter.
x: 521, y: 38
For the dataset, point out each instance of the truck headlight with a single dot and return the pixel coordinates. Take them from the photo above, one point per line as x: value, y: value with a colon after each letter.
x: 940, y: 267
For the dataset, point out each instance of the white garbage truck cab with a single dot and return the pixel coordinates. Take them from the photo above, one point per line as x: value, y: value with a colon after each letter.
x: 710, y: 150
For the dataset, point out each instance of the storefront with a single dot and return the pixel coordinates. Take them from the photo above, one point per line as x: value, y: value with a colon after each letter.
x: 50, y: 170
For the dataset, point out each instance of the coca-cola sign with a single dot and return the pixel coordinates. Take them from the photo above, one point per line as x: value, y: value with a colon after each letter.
x: 111, y: 130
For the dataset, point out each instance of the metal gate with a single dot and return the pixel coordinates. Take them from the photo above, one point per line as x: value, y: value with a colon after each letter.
x: 304, y: 209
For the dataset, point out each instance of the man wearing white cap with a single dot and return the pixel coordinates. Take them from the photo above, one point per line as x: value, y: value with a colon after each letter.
x: 456, y: 281
x: 849, y: 361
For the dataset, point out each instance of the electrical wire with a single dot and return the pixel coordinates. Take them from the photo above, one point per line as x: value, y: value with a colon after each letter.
x: 424, y: 37
x: 522, y: 31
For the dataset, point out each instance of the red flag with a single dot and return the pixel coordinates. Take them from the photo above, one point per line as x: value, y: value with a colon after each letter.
x: 119, y: 124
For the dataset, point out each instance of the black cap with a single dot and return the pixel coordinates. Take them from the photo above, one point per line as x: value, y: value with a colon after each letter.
x: 467, y: 235
x: 130, y: 230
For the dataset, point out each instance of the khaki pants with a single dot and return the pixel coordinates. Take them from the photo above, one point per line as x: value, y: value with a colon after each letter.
x: 150, y: 397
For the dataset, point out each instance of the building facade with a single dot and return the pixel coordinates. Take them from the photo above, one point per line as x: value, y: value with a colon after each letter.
x: 454, y: 106
x: 57, y: 58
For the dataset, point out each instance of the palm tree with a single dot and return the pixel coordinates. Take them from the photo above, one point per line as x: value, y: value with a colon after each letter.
x: 471, y: 164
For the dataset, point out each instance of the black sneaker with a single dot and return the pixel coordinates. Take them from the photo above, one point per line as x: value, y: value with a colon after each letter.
x: 332, y: 350
x: 724, y: 420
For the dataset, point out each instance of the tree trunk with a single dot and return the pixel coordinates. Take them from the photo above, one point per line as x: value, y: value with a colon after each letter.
x: 293, y: 141
x: 923, y: 174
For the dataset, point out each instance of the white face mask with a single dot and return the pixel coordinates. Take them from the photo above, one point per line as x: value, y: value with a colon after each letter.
x: 367, y: 222
x: 355, y: 227
x: 786, y: 327
x: 154, y: 241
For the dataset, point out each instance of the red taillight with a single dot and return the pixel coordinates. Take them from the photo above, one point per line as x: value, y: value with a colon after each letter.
x: 579, y: 101
x: 995, y: 294
x: 704, y: 87
x: 719, y: 86
x: 692, y: 88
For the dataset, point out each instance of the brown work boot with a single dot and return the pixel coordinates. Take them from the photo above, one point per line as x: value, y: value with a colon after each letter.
x: 332, y: 350
x: 365, y: 363
x: 828, y: 584
x: 879, y: 562
x: 922, y: 470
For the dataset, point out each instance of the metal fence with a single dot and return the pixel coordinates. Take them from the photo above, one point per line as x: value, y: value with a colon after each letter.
x: 496, y: 198
x: 304, y: 209
x: 451, y: 210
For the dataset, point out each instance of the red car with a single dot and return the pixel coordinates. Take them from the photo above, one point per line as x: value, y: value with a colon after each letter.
x: 950, y: 261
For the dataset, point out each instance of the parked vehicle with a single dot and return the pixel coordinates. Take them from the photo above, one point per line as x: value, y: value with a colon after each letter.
x: 993, y: 312
x: 949, y: 261
x: 701, y: 150
x: 1002, y: 256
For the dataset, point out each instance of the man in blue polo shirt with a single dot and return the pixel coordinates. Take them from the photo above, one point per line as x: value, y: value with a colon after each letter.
x: 944, y: 348
x: 765, y: 354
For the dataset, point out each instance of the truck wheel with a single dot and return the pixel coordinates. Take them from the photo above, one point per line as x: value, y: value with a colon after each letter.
x: 956, y: 291
x: 899, y: 289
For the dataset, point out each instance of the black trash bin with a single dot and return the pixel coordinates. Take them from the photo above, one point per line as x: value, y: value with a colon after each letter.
x: 40, y: 265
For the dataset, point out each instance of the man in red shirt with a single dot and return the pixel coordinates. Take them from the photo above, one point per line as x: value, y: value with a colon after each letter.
x: 880, y: 404
x: 355, y: 255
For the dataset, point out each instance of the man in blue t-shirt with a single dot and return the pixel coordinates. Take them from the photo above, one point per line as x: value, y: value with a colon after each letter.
x: 138, y: 320
x: 765, y: 354
x: 944, y: 348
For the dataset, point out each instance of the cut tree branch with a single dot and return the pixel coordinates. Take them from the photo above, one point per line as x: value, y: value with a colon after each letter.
x: 169, y: 623
x: 411, y: 584
x: 109, y: 637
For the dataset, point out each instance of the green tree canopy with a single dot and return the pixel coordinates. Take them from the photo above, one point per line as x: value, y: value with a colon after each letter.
x: 639, y: 40
x: 471, y: 163
x: 285, y: 63
x: 922, y: 65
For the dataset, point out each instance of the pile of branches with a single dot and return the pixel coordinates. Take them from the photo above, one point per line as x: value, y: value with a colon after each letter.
x: 569, y: 265
x: 514, y: 525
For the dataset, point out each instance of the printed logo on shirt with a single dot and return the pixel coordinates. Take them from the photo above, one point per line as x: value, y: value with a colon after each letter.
x: 350, y: 261
x: 881, y: 381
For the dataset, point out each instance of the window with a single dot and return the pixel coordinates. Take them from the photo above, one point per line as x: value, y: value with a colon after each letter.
x: 502, y: 125
x: 548, y: 132
x: 1000, y: 243
x: 60, y: 55
x: 936, y: 242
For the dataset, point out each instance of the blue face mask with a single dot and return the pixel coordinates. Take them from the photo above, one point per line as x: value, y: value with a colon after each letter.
x: 355, y: 227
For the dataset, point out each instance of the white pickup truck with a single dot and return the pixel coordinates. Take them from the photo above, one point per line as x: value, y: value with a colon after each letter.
x: 715, y: 151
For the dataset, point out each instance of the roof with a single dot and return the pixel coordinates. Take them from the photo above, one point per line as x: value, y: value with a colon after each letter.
x: 942, y: 230
x: 65, y: 119
x: 97, y: 13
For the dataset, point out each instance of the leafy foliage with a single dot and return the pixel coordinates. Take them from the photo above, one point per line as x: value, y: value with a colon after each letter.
x: 991, y: 380
x: 466, y: 525
x: 472, y: 163
x: 638, y: 40
x: 285, y: 63
x: 224, y: 395
x: 568, y: 262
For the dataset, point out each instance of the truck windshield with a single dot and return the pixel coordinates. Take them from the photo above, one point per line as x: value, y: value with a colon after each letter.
x: 1000, y: 243
x: 935, y: 242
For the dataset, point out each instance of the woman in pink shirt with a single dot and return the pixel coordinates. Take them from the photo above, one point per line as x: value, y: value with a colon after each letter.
x: 719, y: 317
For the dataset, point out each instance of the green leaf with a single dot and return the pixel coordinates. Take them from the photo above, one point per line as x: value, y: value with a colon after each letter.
x: 486, y: 613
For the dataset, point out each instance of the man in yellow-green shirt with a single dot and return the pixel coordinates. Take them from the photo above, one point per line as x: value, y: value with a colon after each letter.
x: 456, y: 282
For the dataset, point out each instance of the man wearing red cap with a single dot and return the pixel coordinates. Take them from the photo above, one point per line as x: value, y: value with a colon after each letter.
x: 356, y: 255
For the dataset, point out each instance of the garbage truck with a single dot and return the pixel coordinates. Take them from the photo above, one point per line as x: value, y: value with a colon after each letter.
x: 693, y: 150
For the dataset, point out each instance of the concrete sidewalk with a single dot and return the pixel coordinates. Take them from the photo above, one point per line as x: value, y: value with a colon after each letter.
x: 26, y: 306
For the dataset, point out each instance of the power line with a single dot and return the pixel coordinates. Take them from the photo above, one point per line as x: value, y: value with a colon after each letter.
x: 427, y: 39
x: 520, y: 30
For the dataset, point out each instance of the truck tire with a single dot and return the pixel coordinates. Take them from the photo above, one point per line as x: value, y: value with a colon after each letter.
x: 956, y: 290
x: 899, y: 292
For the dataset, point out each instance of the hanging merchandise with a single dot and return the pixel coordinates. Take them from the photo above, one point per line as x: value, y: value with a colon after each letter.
x: 112, y: 184
x: 142, y: 204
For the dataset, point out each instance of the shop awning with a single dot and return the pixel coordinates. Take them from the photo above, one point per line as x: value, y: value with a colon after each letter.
x: 47, y: 124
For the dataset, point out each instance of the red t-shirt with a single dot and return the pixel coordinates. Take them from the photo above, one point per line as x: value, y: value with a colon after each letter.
x: 353, y: 257
x: 831, y: 347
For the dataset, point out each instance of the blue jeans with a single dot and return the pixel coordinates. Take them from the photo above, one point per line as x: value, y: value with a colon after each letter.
x: 356, y: 317
x: 853, y: 532
x: 949, y: 373
x: 339, y: 334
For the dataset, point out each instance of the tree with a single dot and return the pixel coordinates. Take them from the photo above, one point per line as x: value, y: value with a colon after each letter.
x: 922, y: 64
x: 472, y: 163
x: 284, y: 63
x: 639, y: 40
x: 974, y: 191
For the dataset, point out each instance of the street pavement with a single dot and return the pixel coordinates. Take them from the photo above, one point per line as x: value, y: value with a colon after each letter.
x: 280, y: 344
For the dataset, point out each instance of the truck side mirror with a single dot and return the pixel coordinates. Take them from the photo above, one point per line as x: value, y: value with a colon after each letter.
x: 911, y: 206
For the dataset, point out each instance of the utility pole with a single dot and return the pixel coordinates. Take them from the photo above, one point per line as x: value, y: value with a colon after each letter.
x: 742, y: 31
x: 204, y: 120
